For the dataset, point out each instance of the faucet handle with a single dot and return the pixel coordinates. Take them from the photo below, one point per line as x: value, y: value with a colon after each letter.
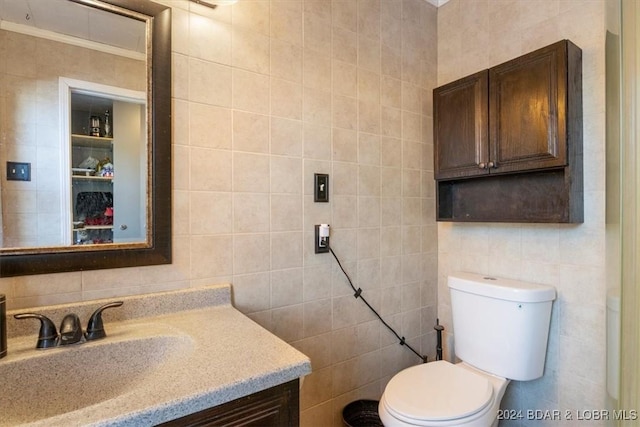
x: 48, y: 335
x: 95, y: 328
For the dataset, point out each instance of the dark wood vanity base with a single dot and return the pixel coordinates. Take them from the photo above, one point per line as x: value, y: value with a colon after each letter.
x: 277, y: 406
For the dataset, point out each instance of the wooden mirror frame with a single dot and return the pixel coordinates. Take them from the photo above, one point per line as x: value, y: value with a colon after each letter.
x: 158, y: 250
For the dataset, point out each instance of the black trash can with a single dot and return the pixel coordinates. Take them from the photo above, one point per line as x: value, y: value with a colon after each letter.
x: 362, y: 413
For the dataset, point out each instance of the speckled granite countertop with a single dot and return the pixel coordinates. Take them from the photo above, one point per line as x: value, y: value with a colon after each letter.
x: 179, y: 352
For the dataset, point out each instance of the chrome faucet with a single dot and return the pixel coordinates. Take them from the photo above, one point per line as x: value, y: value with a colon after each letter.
x: 70, y: 328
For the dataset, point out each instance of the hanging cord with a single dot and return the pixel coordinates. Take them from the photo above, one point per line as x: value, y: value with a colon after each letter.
x: 439, y: 328
x: 358, y: 294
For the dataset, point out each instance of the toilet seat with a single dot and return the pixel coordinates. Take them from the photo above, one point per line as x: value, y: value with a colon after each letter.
x: 437, y: 392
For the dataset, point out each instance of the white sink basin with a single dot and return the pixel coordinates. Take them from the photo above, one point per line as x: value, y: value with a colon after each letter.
x: 51, y: 382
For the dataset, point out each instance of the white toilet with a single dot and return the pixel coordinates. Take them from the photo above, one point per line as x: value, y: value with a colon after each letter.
x: 501, y: 328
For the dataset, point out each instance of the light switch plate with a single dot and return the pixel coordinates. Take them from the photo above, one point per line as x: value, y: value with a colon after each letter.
x: 18, y: 171
x: 321, y: 187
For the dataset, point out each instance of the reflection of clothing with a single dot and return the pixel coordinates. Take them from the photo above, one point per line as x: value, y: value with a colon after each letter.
x: 91, y: 204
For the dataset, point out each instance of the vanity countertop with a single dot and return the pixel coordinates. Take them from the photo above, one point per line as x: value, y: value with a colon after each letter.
x: 216, y: 354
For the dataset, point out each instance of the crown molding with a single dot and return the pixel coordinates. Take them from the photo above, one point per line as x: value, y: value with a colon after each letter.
x: 437, y: 3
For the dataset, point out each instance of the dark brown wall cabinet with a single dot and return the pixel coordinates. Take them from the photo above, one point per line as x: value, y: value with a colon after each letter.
x: 508, y: 140
x: 275, y: 407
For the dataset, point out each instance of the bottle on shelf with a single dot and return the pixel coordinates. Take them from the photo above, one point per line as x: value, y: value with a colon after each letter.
x: 107, y: 125
x: 95, y: 125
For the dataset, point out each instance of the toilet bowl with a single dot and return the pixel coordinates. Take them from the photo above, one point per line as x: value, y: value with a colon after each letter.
x: 501, y: 333
x: 441, y: 394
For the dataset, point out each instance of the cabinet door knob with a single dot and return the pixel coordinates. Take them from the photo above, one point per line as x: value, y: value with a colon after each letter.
x: 492, y: 165
x: 482, y: 165
x: 123, y: 227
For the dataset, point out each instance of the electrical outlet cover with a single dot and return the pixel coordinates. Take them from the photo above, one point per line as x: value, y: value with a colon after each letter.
x: 319, y: 249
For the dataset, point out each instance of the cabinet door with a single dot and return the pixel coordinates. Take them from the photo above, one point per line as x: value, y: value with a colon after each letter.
x: 461, y: 127
x: 278, y: 406
x: 129, y: 159
x: 527, y: 105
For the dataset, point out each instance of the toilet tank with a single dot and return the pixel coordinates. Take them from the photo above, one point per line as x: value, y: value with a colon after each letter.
x: 501, y: 326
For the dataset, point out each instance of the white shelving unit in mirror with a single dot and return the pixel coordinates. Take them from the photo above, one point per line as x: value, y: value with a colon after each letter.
x: 106, y: 155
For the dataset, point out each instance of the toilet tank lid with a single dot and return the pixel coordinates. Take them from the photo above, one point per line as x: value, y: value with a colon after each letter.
x: 500, y: 288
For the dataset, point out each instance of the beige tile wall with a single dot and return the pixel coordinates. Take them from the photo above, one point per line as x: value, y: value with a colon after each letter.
x: 267, y: 93
x: 477, y: 34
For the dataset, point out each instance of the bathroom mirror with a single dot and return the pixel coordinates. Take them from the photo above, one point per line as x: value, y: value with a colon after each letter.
x: 85, y: 135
